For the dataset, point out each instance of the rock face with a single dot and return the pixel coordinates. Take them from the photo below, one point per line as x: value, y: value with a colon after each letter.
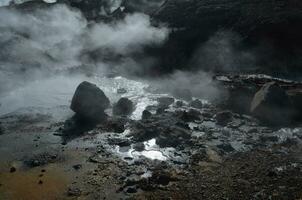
x: 89, y: 101
x: 123, y: 107
x: 194, y: 22
x: 272, y: 104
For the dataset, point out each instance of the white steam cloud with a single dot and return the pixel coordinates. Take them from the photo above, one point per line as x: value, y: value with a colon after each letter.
x: 45, y: 41
x: 223, y: 53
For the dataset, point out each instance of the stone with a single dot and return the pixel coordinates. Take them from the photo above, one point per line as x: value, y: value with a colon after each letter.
x: 146, y: 114
x: 190, y: 116
x: 179, y: 104
x: 89, y: 101
x: 224, y: 117
x: 165, y: 101
x: 271, y: 104
x: 196, y: 104
x: 123, y: 107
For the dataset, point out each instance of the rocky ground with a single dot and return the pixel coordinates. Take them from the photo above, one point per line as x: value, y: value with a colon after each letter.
x: 178, y: 150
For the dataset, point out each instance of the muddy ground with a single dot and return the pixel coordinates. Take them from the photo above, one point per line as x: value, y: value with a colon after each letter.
x: 181, y: 152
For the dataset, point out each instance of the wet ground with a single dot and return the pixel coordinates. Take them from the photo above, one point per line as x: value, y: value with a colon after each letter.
x: 181, y: 152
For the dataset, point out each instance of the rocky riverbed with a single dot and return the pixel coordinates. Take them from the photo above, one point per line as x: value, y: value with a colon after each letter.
x: 162, y: 148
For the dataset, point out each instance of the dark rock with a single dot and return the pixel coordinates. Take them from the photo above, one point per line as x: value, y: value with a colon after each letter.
x: 272, y: 105
x: 1, y: 130
x: 190, y: 116
x: 123, y: 107
x: 131, y: 190
x: 224, y: 117
x: 146, y: 114
x: 173, y: 137
x: 40, y: 182
x: 139, y: 146
x: 179, y: 104
x: 119, y: 141
x: 77, y: 167
x: 115, y: 125
x: 196, y: 104
x: 12, y: 170
x: 226, y: 147
x: 89, y: 101
x: 160, y: 110
x: 165, y: 101
x: 142, y: 132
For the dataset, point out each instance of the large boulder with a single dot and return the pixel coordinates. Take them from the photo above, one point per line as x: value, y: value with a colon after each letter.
x: 271, y: 104
x: 123, y: 107
x: 89, y: 101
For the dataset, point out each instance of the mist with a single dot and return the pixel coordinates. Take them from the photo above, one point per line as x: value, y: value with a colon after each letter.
x: 224, y: 52
x: 49, y: 41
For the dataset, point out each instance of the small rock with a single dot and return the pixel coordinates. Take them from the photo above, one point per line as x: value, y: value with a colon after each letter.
x: 77, y: 167
x: 179, y: 104
x: 131, y: 190
x: 224, y: 117
x: 196, y: 104
x: 146, y: 114
x: 12, y: 170
x: 165, y: 101
x: 190, y: 116
x: 123, y: 107
x: 139, y: 146
x: 40, y: 182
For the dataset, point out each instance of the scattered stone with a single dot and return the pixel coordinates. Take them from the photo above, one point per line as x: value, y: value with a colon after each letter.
x: 123, y: 107
x: 146, y: 114
x: 165, y: 101
x: 224, y: 117
x: 190, y: 116
x: 89, y: 101
x: 41, y: 159
x: 196, y: 104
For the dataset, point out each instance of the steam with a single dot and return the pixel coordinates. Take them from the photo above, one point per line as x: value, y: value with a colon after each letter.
x: 223, y: 52
x: 48, y: 41
x: 196, y: 84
